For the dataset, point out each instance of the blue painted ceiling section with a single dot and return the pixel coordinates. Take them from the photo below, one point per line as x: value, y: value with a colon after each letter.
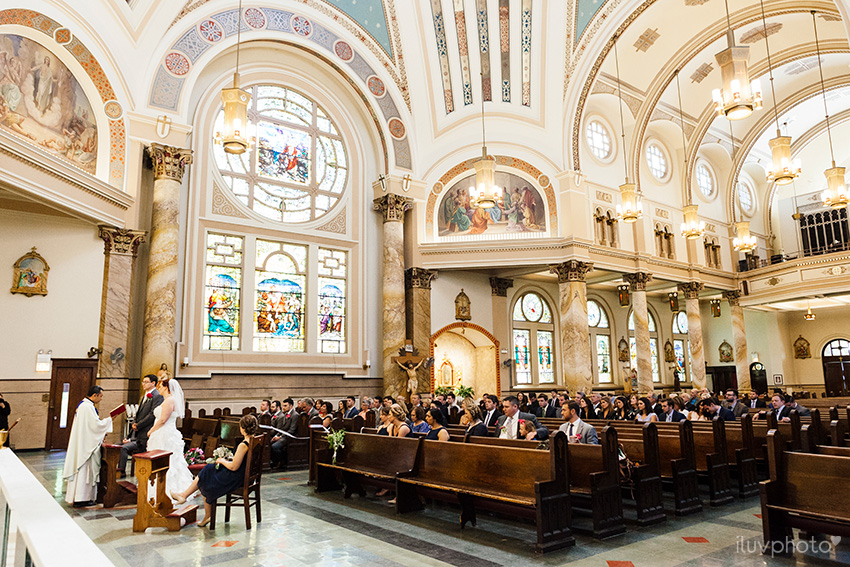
x: 370, y: 15
x: 585, y: 10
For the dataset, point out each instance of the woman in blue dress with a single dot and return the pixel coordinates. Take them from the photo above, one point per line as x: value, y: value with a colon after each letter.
x: 217, y: 479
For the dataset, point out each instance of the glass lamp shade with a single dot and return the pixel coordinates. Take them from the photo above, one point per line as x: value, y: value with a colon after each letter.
x: 809, y: 316
x: 485, y: 194
x: 738, y: 97
x: 631, y: 208
x: 744, y: 242
x: 835, y: 195
x: 784, y: 169
x: 234, y: 136
x: 692, y: 227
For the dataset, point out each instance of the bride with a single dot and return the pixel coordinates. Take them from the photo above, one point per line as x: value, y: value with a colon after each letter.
x: 164, y: 435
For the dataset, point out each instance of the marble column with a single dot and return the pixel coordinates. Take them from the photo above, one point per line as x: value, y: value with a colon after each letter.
x: 691, y: 291
x: 120, y: 247
x: 502, y: 323
x: 739, y: 340
x: 393, y: 207
x: 575, y: 334
x: 637, y: 288
x: 169, y: 164
x: 417, y: 286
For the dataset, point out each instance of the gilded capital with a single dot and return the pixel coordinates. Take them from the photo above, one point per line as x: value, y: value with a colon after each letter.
x: 499, y: 286
x: 418, y: 278
x: 571, y: 271
x: 733, y: 297
x: 637, y: 281
x: 120, y: 240
x: 393, y: 206
x: 691, y: 289
x: 169, y: 162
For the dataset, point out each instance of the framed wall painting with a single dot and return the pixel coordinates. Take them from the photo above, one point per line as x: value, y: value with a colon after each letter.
x: 30, y: 274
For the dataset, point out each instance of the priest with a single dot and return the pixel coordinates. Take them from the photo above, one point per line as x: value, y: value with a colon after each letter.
x: 82, y: 462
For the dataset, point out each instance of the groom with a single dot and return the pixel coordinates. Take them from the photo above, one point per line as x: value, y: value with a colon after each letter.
x: 138, y: 440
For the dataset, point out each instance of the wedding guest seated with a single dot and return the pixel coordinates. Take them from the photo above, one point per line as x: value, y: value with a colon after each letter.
x: 523, y: 402
x: 645, y: 412
x: 803, y: 411
x: 507, y: 425
x: 419, y: 423
x: 326, y: 411
x: 307, y: 406
x: 621, y: 409
x: 669, y: 413
x: 365, y: 406
x: 633, y: 404
x: 397, y: 426
x: 578, y: 431
x: 732, y: 404
x: 388, y: 401
x: 384, y: 418
x: 710, y: 407
x: 543, y: 408
x: 476, y: 426
x: 527, y: 431
x: 606, y: 409
x: 288, y: 423
x: 491, y: 410
x: 265, y: 407
x: 351, y: 409
x: 415, y: 400
x: 586, y: 409
x: 434, y: 419
x: 754, y: 402
x: 217, y: 479
x: 779, y: 407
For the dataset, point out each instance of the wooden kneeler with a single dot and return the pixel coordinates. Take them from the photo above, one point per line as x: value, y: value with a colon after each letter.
x: 157, y: 512
x: 111, y: 491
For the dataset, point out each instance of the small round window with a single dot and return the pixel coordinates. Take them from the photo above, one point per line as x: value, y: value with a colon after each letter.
x: 656, y: 160
x: 746, y: 198
x: 599, y: 140
x: 705, y: 181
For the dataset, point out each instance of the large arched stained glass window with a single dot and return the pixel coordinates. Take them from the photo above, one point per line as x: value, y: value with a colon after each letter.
x: 222, y: 292
x: 533, y: 341
x: 297, y: 170
x: 653, y: 345
x: 279, y: 297
x: 600, y: 342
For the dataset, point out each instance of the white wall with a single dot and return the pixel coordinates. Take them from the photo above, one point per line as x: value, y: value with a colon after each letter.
x: 444, y: 290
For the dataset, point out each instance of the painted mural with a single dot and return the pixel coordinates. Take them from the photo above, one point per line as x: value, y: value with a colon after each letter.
x: 520, y: 209
x: 42, y: 101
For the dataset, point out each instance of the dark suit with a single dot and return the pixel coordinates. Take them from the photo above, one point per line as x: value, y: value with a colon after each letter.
x: 803, y: 411
x: 759, y: 403
x: 497, y: 413
x: 5, y: 410
x: 784, y: 412
x: 351, y: 412
x: 738, y: 409
x: 547, y: 411
x: 657, y: 410
x: 725, y: 414
x: 675, y: 416
x: 542, y: 431
x: 144, y: 421
x: 288, y: 423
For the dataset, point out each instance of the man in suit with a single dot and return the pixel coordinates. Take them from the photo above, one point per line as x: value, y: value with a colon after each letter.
x: 5, y: 410
x: 138, y: 441
x: 307, y: 407
x: 288, y: 423
x: 578, y: 431
x: 803, y: 411
x: 543, y: 408
x: 733, y: 405
x: 654, y: 405
x: 780, y: 408
x: 265, y: 408
x: 276, y: 410
x: 508, y: 425
x: 491, y: 410
x: 710, y: 408
x: 554, y: 401
x: 595, y: 400
x: 754, y: 401
x: 351, y: 407
x: 669, y: 413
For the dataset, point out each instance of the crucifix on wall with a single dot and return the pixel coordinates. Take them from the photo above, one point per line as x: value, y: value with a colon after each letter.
x: 409, y: 361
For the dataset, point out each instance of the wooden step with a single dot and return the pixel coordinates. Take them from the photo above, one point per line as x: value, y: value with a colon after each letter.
x: 128, y: 486
x: 187, y: 513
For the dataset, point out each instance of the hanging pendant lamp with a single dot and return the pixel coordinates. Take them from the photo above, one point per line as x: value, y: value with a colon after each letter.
x: 485, y: 193
x: 234, y: 136
x: 743, y: 241
x: 630, y: 208
x: 692, y: 228
x: 738, y: 97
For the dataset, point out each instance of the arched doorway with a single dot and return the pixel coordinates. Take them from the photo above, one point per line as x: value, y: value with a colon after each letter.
x: 466, y: 353
x: 836, y: 367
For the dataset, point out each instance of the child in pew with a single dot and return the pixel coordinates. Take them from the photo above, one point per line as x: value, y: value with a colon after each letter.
x: 528, y: 431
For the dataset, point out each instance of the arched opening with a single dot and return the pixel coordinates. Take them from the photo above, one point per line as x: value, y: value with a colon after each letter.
x: 467, y: 354
x: 836, y: 367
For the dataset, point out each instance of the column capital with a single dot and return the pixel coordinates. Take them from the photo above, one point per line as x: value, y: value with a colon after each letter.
x: 638, y: 280
x: 393, y: 207
x: 733, y: 297
x: 499, y: 286
x: 169, y: 162
x: 121, y: 241
x: 691, y: 289
x: 418, y: 278
x: 571, y: 271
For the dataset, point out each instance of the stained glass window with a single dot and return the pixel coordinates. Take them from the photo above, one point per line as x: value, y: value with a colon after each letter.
x: 279, y: 297
x: 534, y: 340
x: 333, y: 271
x: 651, y: 322
x: 598, y: 139
x: 532, y: 307
x: 596, y: 316
x: 680, y: 323
x: 656, y: 161
x: 603, y: 358
x: 681, y: 344
x: 222, y: 291
x: 837, y: 347
x: 679, y: 352
x: 545, y: 369
x: 298, y: 169
x: 521, y: 356
x: 653, y: 346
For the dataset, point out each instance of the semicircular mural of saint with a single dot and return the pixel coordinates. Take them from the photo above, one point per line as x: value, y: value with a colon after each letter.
x: 40, y: 100
x: 520, y: 208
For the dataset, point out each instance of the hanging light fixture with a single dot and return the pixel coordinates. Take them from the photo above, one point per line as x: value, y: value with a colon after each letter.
x: 809, y: 316
x: 630, y: 208
x: 484, y: 194
x: 738, y: 97
x: 692, y: 227
x: 234, y: 136
x: 743, y: 241
x: 835, y: 195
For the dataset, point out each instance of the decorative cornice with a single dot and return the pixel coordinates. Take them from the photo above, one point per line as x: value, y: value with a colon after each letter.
x: 733, y: 297
x: 499, y: 286
x: 169, y: 162
x: 638, y: 280
x: 571, y: 271
x: 393, y: 207
x: 418, y: 278
x: 120, y: 241
x: 691, y: 289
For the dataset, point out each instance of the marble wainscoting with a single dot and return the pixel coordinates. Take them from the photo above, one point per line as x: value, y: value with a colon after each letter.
x: 27, y: 398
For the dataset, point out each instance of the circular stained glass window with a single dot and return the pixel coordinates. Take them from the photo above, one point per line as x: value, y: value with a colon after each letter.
x: 598, y: 139
x: 680, y: 324
x: 532, y: 307
x: 593, y: 314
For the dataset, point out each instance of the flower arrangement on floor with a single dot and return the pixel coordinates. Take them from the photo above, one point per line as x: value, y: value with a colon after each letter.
x: 336, y: 440
x: 195, y: 456
x: 220, y: 453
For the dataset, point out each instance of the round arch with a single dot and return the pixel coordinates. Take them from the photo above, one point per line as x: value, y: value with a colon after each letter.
x: 480, y: 339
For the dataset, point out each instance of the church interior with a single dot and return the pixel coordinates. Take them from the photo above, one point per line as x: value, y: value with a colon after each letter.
x: 330, y: 198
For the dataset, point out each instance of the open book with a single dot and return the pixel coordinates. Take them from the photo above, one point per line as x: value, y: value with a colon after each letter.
x: 118, y: 411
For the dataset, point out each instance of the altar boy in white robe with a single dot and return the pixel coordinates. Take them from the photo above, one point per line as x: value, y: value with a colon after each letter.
x: 82, y: 462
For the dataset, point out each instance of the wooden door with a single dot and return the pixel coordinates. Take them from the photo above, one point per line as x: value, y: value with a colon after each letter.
x: 836, y: 375
x: 70, y: 381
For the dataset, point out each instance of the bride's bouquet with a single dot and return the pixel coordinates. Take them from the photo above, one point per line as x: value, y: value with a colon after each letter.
x: 221, y: 453
x: 195, y: 456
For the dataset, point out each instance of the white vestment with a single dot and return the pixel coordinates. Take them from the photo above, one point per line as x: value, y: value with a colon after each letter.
x: 82, y: 462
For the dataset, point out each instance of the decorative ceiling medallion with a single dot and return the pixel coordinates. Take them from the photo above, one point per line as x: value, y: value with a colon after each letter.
x: 773, y: 281
x: 543, y: 180
x: 438, y: 188
x: 646, y: 39
x: 177, y: 64
x: 376, y: 86
x: 760, y: 32
x: 113, y: 110
x: 255, y: 18
x: 62, y: 36
x: 343, y: 50
x: 210, y: 30
x: 397, y: 129
x: 301, y: 26
x: 835, y: 270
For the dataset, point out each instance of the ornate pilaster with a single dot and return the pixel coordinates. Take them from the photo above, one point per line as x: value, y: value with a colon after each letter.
x: 739, y: 338
x: 161, y: 298
x: 119, y: 251
x: 393, y: 207
x: 691, y: 291
x: 575, y: 334
x: 418, y: 278
x: 637, y: 284
x: 417, y: 283
x: 499, y: 287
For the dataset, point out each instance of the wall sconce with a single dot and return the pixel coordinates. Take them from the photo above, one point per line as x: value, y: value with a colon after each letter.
x: 755, y: 356
x: 715, y: 308
x: 623, y: 295
x: 405, y: 183
x: 42, y: 361
x: 674, y: 301
x: 382, y: 179
x: 185, y: 362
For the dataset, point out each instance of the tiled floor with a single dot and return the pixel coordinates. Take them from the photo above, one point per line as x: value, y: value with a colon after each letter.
x: 300, y: 527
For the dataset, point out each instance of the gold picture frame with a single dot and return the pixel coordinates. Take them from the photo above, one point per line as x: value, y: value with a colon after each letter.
x: 30, y: 274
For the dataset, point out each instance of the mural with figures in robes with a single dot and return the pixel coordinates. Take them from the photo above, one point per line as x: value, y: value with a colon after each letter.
x: 40, y: 100
x: 519, y: 209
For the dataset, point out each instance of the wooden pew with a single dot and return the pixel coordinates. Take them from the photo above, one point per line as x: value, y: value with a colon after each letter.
x: 157, y: 511
x: 644, y: 486
x: 520, y: 482
x: 801, y: 493
x: 111, y: 491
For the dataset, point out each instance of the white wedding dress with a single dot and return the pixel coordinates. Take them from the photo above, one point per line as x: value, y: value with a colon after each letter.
x: 168, y: 438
